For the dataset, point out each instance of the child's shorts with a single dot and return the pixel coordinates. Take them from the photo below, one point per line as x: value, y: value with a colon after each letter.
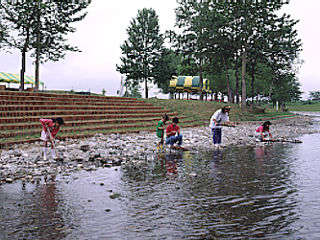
x: 44, y: 136
x: 259, y: 137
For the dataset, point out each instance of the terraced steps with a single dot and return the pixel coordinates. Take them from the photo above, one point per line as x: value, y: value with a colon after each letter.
x: 82, y: 128
x: 16, y: 108
x: 83, y: 115
x: 80, y: 134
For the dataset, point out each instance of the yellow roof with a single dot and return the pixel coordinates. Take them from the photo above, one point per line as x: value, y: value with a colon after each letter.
x: 15, y: 78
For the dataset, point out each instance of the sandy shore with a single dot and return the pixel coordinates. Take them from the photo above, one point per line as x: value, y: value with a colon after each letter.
x: 25, y: 161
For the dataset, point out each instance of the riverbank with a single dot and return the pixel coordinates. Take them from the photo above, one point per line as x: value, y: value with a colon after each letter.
x: 24, y: 162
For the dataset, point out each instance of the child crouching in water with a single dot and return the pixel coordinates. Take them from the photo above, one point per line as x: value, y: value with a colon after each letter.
x: 160, y: 130
x: 49, y: 131
x: 173, y: 134
x: 263, y: 132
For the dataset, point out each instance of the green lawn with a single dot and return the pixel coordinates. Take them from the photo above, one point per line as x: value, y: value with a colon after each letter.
x: 305, y: 107
x: 200, y: 110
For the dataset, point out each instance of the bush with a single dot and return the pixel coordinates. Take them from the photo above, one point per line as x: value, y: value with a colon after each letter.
x: 256, y: 109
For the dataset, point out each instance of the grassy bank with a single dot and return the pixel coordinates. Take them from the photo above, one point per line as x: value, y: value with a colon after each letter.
x: 305, y: 106
x: 202, y: 110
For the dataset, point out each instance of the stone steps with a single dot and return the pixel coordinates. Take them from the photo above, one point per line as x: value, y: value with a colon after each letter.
x: 58, y: 95
x: 75, y: 134
x: 60, y: 112
x: 18, y: 108
x: 83, y: 127
x: 84, y: 115
x: 37, y: 125
x: 73, y: 102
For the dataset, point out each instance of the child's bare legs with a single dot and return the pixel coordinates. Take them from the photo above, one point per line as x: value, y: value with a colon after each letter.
x: 44, y: 150
x: 160, y: 144
x: 53, y: 152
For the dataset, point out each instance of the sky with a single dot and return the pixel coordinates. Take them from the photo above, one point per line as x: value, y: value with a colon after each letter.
x: 101, y: 33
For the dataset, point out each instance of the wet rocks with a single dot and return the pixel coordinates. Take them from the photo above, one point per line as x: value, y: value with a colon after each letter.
x: 9, y: 180
x: 26, y: 161
x: 84, y: 148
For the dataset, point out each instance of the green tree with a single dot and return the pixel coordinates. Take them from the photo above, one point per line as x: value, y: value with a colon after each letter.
x: 41, y: 26
x: 192, y: 42
x: 132, y: 89
x: 167, y: 66
x: 140, y: 53
x: 3, y: 31
x: 53, y: 21
x: 20, y: 18
x: 314, y: 95
x: 286, y: 90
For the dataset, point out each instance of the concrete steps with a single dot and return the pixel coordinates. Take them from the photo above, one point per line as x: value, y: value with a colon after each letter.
x: 78, y: 134
x: 84, y: 115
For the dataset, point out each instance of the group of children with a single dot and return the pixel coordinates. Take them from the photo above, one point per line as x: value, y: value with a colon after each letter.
x: 220, y: 118
x: 172, y: 132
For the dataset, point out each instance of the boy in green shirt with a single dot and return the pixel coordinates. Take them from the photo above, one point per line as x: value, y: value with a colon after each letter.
x: 160, y: 129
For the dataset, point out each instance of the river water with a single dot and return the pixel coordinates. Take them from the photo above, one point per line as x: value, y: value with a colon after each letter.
x: 263, y: 192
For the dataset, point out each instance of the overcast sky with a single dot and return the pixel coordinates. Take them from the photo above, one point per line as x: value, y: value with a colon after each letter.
x: 101, y: 33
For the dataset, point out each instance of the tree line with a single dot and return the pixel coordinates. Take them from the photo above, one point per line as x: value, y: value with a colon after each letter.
x: 247, y: 48
x: 39, y: 27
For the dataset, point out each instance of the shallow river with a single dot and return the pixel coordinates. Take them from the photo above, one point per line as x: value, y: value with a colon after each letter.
x: 264, y: 192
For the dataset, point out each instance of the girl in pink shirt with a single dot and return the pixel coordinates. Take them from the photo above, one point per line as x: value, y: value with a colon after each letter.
x: 263, y: 132
x: 49, y: 131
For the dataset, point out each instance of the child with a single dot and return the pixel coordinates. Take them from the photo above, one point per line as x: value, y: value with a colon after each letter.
x: 160, y: 129
x: 173, y: 133
x: 219, y: 118
x: 263, y: 131
x: 50, y: 129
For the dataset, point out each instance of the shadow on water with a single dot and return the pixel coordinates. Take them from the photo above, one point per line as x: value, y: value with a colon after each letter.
x: 263, y: 192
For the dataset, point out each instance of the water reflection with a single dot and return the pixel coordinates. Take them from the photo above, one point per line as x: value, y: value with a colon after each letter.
x: 33, y: 213
x: 262, y: 192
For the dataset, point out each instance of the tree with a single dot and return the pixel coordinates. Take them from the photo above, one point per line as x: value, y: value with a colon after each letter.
x: 314, y: 95
x: 20, y: 18
x: 132, y: 89
x: 41, y: 25
x: 192, y: 42
x: 140, y: 53
x: 52, y: 23
x: 3, y: 30
x: 167, y: 66
x: 286, y: 90
x: 239, y: 36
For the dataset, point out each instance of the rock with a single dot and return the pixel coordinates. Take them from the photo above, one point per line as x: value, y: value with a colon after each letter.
x: 115, y: 195
x: 95, y: 157
x: 84, y: 148
x: 116, y: 162
x: 102, y: 160
x: 17, y: 154
x: 9, y: 180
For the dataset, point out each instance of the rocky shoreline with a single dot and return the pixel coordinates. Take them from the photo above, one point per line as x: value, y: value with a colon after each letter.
x: 24, y: 162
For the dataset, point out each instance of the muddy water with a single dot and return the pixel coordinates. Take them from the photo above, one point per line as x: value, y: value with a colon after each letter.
x: 263, y: 192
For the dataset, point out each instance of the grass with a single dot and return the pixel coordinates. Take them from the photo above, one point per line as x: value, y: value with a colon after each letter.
x: 305, y: 106
x: 200, y: 110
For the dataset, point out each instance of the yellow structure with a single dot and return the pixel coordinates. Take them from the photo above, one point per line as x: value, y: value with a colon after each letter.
x: 15, y: 78
x: 189, y: 84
